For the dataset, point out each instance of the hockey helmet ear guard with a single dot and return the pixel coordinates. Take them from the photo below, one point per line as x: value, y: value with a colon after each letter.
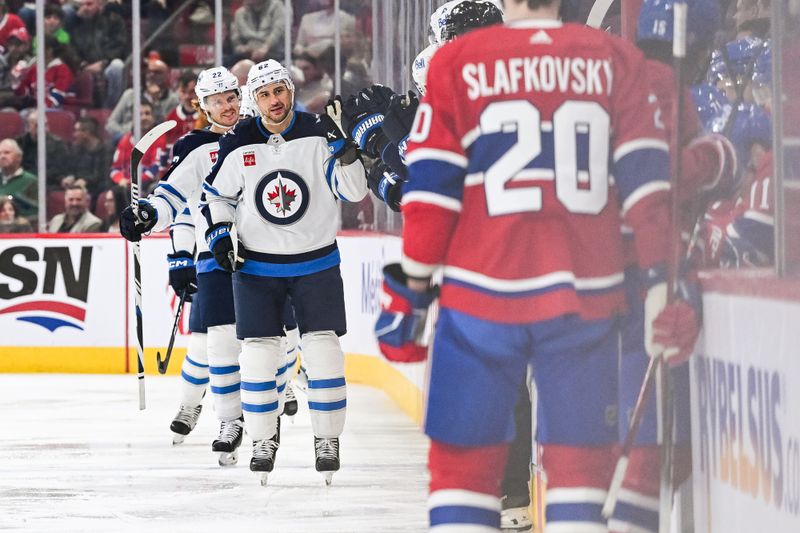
x: 401, y: 323
x: 215, y: 81
x: 266, y: 73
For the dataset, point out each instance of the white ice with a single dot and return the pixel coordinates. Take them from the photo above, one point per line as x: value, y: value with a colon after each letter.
x: 76, y: 454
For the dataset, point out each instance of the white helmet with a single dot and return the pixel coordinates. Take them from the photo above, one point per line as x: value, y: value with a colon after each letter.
x: 265, y: 73
x: 215, y: 81
x: 419, y: 68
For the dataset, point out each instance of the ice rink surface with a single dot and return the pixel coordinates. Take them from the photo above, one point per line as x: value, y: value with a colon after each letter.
x: 76, y: 454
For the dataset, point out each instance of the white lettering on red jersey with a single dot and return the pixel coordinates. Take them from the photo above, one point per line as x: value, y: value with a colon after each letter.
x: 535, y: 140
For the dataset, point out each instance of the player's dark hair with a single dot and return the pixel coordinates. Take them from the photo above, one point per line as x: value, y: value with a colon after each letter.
x: 186, y: 77
x: 534, y: 4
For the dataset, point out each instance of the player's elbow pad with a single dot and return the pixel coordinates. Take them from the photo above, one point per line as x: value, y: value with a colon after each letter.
x: 401, y: 323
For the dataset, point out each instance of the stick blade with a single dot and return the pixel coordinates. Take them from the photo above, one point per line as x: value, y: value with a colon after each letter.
x: 150, y: 137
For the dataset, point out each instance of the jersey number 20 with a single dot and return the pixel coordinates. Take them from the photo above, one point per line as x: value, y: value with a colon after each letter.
x: 571, y: 118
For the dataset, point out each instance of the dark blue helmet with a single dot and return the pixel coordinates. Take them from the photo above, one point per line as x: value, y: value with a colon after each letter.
x: 713, y: 107
x: 718, y: 69
x: 656, y: 18
x: 741, y: 56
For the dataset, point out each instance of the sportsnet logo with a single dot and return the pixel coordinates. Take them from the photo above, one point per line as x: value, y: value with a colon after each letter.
x: 249, y: 159
x: 31, y: 297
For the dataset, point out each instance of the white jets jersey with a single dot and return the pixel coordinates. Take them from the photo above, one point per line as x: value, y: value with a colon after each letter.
x: 282, y: 191
x: 177, y: 196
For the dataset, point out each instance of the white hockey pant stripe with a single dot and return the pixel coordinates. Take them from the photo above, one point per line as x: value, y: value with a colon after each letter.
x: 194, y: 371
x: 327, y: 397
x: 260, y: 360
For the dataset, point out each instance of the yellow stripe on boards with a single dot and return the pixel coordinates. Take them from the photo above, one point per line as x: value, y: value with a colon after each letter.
x: 62, y: 359
x: 378, y: 373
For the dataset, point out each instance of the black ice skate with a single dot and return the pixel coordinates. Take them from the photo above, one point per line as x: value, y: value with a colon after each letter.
x: 184, y: 422
x: 327, y: 452
x: 290, y: 403
x: 264, y: 452
x: 227, y: 444
x: 514, y: 515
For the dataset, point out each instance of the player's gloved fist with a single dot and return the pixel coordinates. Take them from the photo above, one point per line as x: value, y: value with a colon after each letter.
x: 132, y: 227
x: 676, y: 328
x: 331, y: 122
x: 401, y: 323
x: 227, y: 254
x: 400, y: 117
x: 182, y: 273
x: 386, y: 185
x: 362, y: 116
x: 709, y: 151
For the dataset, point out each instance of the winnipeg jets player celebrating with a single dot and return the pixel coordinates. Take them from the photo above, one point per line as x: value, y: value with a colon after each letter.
x: 214, y: 349
x: 276, y: 186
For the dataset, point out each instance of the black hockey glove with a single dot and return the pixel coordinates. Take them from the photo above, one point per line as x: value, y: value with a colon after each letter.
x: 386, y: 185
x: 362, y: 116
x: 182, y: 273
x: 400, y: 117
x: 338, y: 143
x: 131, y: 227
x: 220, y: 238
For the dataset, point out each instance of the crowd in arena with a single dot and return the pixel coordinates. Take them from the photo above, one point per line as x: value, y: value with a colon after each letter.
x: 90, y: 103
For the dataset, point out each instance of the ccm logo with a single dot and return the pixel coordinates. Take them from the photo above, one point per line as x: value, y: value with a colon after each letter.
x: 179, y: 263
x: 249, y: 159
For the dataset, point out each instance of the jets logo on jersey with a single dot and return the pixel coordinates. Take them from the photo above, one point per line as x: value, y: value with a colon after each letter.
x: 249, y: 159
x: 282, y: 197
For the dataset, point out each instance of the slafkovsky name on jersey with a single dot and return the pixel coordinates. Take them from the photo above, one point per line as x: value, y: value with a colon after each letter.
x: 541, y: 74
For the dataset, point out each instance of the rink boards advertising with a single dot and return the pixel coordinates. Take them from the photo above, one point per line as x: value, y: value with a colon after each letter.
x: 745, y: 425
x: 66, y: 306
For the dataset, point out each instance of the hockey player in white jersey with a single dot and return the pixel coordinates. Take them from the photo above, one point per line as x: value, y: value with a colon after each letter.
x: 273, y: 212
x: 214, y: 350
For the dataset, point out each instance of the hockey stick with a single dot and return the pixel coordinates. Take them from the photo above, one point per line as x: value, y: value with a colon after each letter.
x: 137, y: 153
x: 657, y: 367
x: 162, y: 365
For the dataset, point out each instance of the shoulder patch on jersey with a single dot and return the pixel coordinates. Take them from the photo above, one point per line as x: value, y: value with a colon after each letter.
x: 282, y: 197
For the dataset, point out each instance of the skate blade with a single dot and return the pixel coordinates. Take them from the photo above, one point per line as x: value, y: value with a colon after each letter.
x: 263, y: 478
x: 228, y: 458
x: 328, y: 477
x: 177, y: 438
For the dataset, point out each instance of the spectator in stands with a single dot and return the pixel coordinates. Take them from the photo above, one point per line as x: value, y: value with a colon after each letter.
x: 10, y: 219
x: 16, y: 181
x: 114, y: 201
x: 156, y: 91
x: 76, y: 217
x: 316, y: 88
x: 54, y: 24
x: 100, y: 39
x: 90, y: 156
x: 152, y: 162
x: 240, y: 70
x: 8, y: 23
x: 59, y: 76
x: 184, y: 113
x: 15, y: 62
x: 320, y: 26
x: 57, y: 154
x: 257, y: 30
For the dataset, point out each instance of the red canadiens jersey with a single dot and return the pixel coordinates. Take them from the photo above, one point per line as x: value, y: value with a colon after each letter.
x: 58, y: 79
x: 152, y: 161
x: 185, y: 122
x: 534, y: 142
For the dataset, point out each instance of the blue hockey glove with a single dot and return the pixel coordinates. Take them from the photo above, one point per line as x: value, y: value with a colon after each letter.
x: 362, y: 117
x: 182, y: 273
x: 131, y: 227
x: 220, y: 240
x: 401, y: 323
x: 399, y: 118
x: 386, y: 185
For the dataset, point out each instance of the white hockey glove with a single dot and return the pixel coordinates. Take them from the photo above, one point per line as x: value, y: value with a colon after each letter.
x: 654, y: 304
x: 339, y: 145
